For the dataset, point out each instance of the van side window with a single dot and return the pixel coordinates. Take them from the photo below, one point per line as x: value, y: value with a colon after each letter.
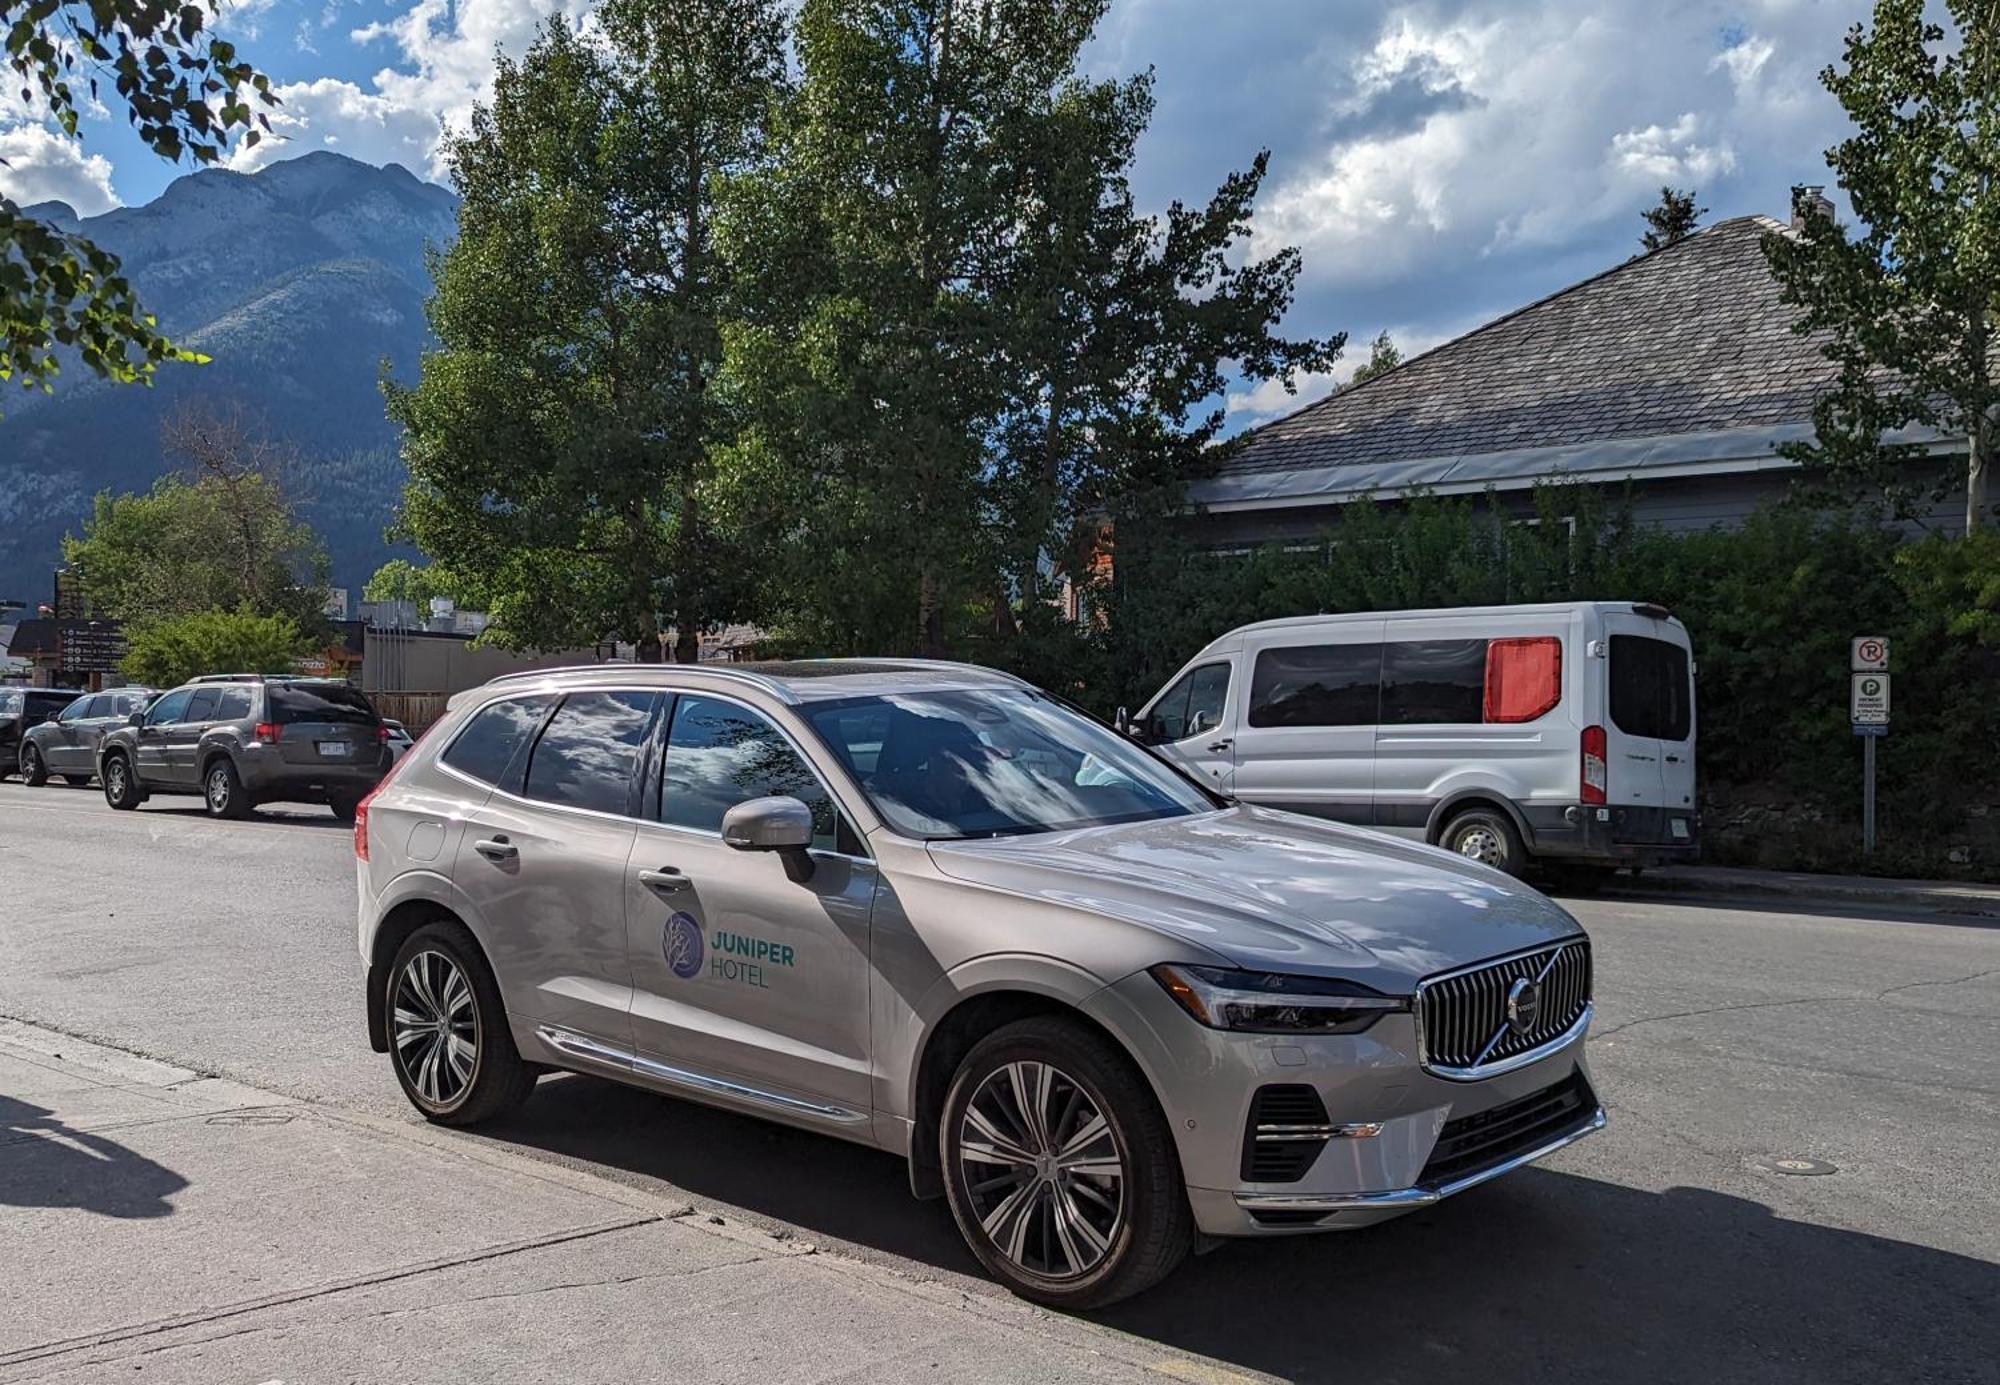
x: 1433, y: 681
x: 1317, y: 685
x: 1193, y: 705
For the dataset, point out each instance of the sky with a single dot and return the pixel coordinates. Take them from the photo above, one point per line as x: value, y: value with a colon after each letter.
x: 1438, y: 164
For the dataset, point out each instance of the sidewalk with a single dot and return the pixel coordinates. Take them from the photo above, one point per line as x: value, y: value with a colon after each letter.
x: 163, y: 1226
x: 1929, y: 896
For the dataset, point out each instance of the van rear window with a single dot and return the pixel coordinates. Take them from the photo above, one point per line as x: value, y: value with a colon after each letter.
x: 1650, y: 695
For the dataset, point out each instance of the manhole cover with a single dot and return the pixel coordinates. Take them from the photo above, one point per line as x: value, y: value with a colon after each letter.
x: 1797, y: 1168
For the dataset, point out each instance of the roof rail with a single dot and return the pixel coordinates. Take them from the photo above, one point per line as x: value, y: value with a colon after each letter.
x: 264, y: 678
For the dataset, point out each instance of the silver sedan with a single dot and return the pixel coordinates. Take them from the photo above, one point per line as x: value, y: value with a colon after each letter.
x: 932, y: 909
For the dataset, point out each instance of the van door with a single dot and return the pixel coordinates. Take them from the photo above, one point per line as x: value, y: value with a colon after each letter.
x: 1305, y: 738
x: 1192, y: 722
x: 1649, y: 727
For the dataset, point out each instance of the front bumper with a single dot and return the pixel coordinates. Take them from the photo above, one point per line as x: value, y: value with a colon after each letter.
x: 1390, y: 1114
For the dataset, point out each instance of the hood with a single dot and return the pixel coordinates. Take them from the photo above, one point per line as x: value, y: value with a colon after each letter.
x: 1275, y: 891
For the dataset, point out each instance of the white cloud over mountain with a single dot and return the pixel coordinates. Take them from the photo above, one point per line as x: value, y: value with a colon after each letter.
x: 39, y: 165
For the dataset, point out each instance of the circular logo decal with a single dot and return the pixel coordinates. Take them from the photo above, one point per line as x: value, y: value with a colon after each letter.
x: 682, y: 944
x: 1524, y: 1005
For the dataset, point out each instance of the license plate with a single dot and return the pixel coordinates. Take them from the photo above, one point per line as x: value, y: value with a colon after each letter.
x: 1680, y: 828
x: 335, y: 750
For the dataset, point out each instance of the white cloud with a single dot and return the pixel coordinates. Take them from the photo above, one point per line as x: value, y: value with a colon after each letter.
x: 1744, y: 59
x: 40, y: 165
x: 442, y: 67
x: 1670, y: 154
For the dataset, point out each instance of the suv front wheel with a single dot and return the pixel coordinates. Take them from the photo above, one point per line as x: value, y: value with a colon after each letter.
x: 1060, y: 1167
x: 121, y: 786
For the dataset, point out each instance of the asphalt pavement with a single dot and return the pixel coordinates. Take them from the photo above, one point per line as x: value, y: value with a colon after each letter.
x: 1797, y: 1182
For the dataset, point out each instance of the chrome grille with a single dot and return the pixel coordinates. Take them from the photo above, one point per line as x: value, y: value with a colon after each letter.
x: 1464, y: 1014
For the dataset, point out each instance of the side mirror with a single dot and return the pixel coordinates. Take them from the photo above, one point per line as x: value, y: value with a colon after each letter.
x: 136, y: 719
x: 52, y: 718
x: 778, y: 823
x: 1123, y: 722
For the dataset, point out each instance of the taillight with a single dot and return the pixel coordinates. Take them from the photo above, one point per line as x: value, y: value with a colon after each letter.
x: 361, y: 808
x: 381, y: 733
x: 268, y: 732
x: 1596, y: 773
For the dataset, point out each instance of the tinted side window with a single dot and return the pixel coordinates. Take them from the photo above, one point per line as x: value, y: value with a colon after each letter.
x: 1170, y: 712
x: 323, y: 702
x: 234, y: 704
x: 1649, y: 688
x: 129, y: 703
x: 720, y: 754
x: 1317, y: 685
x: 202, y: 706
x: 168, y: 709
x: 489, y: 742
x: 586, y: 756
x: 10, y: 704
x: 1205, y: 698
x: 1434, y: 681
x: 86, y: 707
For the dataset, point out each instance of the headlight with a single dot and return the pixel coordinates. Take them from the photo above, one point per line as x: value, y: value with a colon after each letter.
x: 1262, y: 1002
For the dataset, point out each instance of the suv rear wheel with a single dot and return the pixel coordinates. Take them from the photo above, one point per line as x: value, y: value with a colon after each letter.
x: 448, y: 1036
x: 1060, y: 1168
x: 121, y: 786
x: 222, y: 789
x: 33, y: 772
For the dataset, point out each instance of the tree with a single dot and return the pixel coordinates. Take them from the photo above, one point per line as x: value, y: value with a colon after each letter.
x: 185, y: 91
x: 1905, y: 304
x: 1383, y: 357
x: 221, y: 533
x: 560, y: 441
x: 401, y: 580
x: 165, y: 651
x: 1672, y: 220
x: 965, y: 350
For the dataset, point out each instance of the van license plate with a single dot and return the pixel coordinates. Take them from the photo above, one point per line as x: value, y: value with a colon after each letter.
x: 338, y: 750
x: 1680, y: 828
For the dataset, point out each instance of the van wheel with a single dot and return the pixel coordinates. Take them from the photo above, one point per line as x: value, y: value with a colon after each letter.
x: 1487, y: 836
x: 448, y: 1035
x: 33, y: 772
x: 1061, y: 1170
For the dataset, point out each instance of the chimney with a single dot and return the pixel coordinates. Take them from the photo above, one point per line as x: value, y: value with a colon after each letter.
x: 1809, y: 198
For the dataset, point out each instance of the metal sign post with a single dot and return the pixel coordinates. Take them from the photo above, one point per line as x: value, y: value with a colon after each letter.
x: 1868, y: 711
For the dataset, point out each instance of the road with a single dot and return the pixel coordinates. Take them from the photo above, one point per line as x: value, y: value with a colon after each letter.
x: 1669, y: 1248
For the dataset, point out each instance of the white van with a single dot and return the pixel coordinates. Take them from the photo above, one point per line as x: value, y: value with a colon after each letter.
x: 1560, y: 733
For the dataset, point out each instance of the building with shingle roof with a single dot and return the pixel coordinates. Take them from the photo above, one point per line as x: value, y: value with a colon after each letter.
x: 1676, y: 373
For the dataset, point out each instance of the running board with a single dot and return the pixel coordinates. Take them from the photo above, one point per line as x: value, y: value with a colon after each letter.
x: 591, y: 1050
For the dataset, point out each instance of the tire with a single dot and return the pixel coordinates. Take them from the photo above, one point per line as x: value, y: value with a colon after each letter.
x: 1073, y: 1240
x: 33, y: 772
x: 446, y: 1087
x: 81, y: 781
x: 1486, y: 835
x: 222, y: 790
x: 121, y: 785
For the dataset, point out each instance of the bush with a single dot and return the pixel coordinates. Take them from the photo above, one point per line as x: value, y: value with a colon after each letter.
x: 1771, y: 607
x: 161, y: 653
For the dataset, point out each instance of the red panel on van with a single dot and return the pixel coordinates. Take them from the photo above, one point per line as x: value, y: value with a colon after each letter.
x: 1523, y: 678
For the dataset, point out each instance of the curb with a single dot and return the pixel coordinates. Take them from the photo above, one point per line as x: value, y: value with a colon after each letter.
x: 1971, y: 901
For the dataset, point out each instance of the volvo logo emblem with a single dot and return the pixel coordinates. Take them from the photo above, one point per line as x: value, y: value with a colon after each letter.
x: 1524, y: 1005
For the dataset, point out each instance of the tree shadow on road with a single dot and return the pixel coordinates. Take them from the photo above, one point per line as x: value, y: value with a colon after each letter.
x: 45, y: 1163
x: 1540, y: 1276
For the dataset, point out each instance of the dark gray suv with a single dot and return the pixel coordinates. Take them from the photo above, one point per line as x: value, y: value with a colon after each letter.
x: 243, y: 739
x: 65, y: 745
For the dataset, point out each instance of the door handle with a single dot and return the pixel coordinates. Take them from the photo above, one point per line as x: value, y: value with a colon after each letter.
x: 666, y: 878
x: 497, y: 849
x: 1219, y: 746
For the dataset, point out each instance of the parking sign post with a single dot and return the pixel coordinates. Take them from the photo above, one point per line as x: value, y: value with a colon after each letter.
x: 1868, y: 711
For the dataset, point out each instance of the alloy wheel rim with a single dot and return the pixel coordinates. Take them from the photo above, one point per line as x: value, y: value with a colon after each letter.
x: 436, y: 1028
x: 28, y: 757
x: 1482, y: 845
x: 114, y: 777
x: 1042, y: 1170
x: 218, y: 789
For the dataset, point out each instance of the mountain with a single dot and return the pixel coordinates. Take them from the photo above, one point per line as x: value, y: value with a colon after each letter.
x: 300, y: 281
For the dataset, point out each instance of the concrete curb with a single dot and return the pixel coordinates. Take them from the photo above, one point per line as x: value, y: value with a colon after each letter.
x: 1933, y: 897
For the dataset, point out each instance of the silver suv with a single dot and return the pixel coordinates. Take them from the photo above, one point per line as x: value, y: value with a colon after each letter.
x: 929, y: 908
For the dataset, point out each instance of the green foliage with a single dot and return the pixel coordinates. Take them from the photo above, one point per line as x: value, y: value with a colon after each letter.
x: 399, y: 579
x: 1771, y: 608
x: 1673, y: 219
x: 186, y: 93
x: 191, y: 546
x: 165, y: 651
x: 964, y: 349
x: 1383, y: 357
x: 1907, y: 300
x: 560, y: 441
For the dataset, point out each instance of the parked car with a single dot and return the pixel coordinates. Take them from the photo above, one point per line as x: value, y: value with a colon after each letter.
x: 400, y: 739
x: 20, y: 709
x: 1509, y: 734
x: 928, y: 908
x: 66, y: 743
x: 239, y: 740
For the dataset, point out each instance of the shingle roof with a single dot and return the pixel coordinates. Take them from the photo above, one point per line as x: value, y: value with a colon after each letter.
x: 1689, y: 339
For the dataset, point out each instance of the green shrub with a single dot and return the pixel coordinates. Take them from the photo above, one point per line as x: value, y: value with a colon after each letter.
x: 161, y: 653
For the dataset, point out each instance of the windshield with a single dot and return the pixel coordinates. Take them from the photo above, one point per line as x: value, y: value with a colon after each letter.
x: 992, y: 762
